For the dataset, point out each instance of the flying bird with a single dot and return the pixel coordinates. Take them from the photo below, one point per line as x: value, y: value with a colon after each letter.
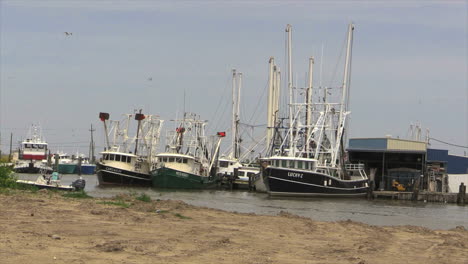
x: 68, y: 33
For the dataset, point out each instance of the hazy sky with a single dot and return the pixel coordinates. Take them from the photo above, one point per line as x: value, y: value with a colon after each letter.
x: 409, y: 63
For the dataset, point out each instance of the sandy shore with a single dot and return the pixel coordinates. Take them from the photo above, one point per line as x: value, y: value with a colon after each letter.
x: 45, y: 227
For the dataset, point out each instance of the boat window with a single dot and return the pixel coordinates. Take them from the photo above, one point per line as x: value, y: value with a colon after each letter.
x: 277, y: 163
x: 250, y: 174
x: 27, y: 145
x: 231, y: 163
x: 104, y: 157
x: 299, y: 164
x: 117, y: 157
x: 111, y: 157
x: 241, y: 173
x: 40, y: 146
x: 123, y: 158
x: 223, y: 164
x: 284, y: 163
x: 129, y: 159
x: 184, y: 160
x: 171, y: 159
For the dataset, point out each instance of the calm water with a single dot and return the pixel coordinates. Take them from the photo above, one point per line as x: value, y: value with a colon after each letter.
x: 377, y: 212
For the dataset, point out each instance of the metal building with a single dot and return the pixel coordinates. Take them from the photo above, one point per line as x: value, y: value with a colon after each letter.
x: 392, y: 164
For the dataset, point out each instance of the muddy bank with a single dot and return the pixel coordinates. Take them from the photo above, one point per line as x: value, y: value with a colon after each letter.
x: 49, y: 228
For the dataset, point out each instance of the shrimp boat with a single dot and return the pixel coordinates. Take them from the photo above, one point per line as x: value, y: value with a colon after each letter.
x: 119, y: 165
x: 32, y: 151
x: 306, y: 155
x: 188, y: 161
x: 230, y: 167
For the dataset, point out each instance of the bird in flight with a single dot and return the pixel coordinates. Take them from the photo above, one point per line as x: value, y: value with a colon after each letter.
x: 68, y: 33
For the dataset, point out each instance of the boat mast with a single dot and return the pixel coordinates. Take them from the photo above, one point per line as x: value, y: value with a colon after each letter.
x: 235, y: 114
x: 138, y: 117
x: 239, y: 87
x: 290, y: 88
x: 91, y: 146
x: 344, y: 95
x: 270, y: 102
x: 104, y: 117
x: 309, y: 107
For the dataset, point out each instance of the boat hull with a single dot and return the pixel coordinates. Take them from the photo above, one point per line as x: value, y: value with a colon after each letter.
x: 283, y: 182
x: 66, y: 168
x: 46, y: 186
x: 108, y: 175
x: 88, y: 169
x: 32, y: 167
x: 175, y: 179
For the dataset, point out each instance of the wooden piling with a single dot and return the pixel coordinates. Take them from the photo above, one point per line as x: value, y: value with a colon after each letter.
x: 461, y: 197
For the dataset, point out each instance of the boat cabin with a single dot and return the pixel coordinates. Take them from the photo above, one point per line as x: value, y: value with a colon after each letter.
x: 32, y: 150
x: 121, y: 160
x: 291, y: 163
x: 181, y: 162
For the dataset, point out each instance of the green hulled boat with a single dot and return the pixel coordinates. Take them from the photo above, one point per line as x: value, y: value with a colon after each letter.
x: 169, y: 178
x: 66, y: 168
x: 187, y: 162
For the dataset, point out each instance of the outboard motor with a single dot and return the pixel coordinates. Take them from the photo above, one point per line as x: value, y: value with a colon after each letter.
x: 79, y: 184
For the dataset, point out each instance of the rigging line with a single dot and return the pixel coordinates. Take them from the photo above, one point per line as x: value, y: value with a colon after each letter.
x: 451, y: 144
x: 217, y: 107
x: 259, y: 104
x: 338, y: 62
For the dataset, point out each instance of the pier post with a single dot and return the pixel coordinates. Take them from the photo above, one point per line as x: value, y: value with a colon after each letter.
x: 80, y: 160
x: 56, y: 156
x: 461, y: 194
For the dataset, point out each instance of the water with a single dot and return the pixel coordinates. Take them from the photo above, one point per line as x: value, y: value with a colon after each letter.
x: 377, y: 212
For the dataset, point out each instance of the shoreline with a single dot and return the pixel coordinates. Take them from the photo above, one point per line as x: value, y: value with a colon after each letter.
x: 45, y: 226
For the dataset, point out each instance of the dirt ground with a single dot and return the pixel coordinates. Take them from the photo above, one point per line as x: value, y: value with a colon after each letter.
x: 45, y: 227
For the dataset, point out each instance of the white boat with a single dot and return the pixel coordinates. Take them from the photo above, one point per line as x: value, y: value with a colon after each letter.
x: 231, y: 167
x: 52, y: 181
x: 118, y: 165
x: 31, y: 153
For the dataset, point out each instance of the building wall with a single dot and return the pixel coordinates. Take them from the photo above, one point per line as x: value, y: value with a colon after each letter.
x: 455, y: 164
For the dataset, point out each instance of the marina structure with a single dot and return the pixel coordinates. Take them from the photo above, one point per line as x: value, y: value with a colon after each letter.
x: 305, y: 156
x: 120, y: 163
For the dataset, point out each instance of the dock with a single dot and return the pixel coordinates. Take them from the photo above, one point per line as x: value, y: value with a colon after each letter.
x: 422, y: 196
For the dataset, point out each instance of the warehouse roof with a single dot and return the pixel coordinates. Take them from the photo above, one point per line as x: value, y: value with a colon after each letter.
x: 386, y: 144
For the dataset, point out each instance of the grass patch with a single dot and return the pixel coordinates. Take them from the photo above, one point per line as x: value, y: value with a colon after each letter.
x: 144, y: 198
x: 182, y: 216
x: 80, y: 195
x: 116, y: 203
x: 7, y: 179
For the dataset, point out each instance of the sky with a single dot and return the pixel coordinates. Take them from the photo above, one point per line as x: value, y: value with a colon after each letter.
x: 409, y: 63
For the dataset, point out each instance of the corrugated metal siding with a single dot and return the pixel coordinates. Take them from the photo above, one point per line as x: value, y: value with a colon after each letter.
x: 457, y: 165
x: 398, y: 144
x: 368, y: 144
x: 437, y: 155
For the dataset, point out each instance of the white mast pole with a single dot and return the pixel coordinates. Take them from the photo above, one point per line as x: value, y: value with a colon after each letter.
x: 344, y: 96
x: 237, y: 152
x: 309, y: 105
x: 290, y: 88
x: 233, y: 124
x: 270, y: 102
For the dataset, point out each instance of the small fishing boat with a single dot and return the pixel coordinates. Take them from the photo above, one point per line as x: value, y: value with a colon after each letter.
x: 52, y: 181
